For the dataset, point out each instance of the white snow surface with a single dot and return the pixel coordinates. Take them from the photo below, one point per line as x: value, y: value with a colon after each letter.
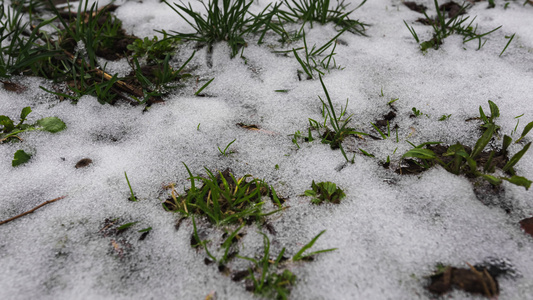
x: 390, y: 230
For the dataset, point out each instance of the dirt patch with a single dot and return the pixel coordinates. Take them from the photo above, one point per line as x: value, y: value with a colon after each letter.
x: 527, y: 225
x: 416, y: 7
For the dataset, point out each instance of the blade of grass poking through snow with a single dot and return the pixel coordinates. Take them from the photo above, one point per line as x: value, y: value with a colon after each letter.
x: 525, y: 131
x: 413, y: 33
x: 379, y: 131
x: 366, y: 153
x: 508, y: 43
x: 514, y: 160
x: 494, y: 111
x: 200, y: 242
x: 333, y: 121
x: 203, y: 87
x: 520, y: 181
x: 420, y: 153
x: 299, y: 255
x: 227, y: 243
x: 507, y: 140
x: 126, y: 226
x: 191, y: 177
x: 275, y: 196
x: 225, y: 149
x: 484, y: 139
x: 300, y: 61
x: 132, y: 197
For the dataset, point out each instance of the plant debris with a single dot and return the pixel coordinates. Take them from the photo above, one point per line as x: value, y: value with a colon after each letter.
x: 527, y: 225
x: 83, y: 163
x: 471, y: 280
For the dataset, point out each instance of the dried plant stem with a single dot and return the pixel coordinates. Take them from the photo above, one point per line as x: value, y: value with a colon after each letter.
x: 32, y: 210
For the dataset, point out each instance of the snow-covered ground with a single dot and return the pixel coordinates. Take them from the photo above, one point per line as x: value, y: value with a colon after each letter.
x: 390, y: 230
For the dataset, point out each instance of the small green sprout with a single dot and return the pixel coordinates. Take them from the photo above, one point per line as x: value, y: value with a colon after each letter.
x: 300, y: 254
x: 223, y: 199
x: 270, y: 283
x: 310, y: 61
x: 325, y: 192
x: 126, y: 226
x: 154, y: 50
x: 225, y: 149
x: 297, y: 135
x: 445, y: 117
x: 416, y: 112
x: 132, y: 197
x: 366, y: 153
x: 145, y: 229
x: 203, y: 87
x: 267, y: 280
x: 335, y: 137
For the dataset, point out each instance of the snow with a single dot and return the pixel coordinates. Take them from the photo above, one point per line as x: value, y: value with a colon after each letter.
x: 390, y: 230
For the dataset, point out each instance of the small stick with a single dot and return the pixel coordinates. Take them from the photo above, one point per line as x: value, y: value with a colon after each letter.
x: 32, y: 210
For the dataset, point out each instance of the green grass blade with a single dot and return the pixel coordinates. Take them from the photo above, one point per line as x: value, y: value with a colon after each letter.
x: 203, y: 87
x: 420, y: 153
x: 525, y: 131
x: 299, y: 255
x: 520, y: 181
x: 514, y: 160
x: 508, y: 43
x: 484, y: 139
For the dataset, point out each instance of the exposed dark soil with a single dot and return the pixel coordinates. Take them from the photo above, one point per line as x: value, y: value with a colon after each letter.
x: 111, y: 47
x: 13, y: 87
x: 415, y: 7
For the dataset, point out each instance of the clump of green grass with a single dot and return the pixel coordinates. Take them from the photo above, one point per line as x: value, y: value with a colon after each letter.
x: 322, y: 12
x: 459, y: 159
x: 222, y: 198
x: 269, y: 277
x: 69, y: 53
x: 340, y: 127
x: 21, y: 52
x: 153, y: 50
x: 325, y: 192
x: 311, y: 61
x: 226, y: 20
x: 455, y: 25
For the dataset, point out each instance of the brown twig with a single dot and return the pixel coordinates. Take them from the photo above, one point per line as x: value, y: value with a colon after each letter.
x: 479, y: 274
x: 32, y: 210
x: 119, y: 84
